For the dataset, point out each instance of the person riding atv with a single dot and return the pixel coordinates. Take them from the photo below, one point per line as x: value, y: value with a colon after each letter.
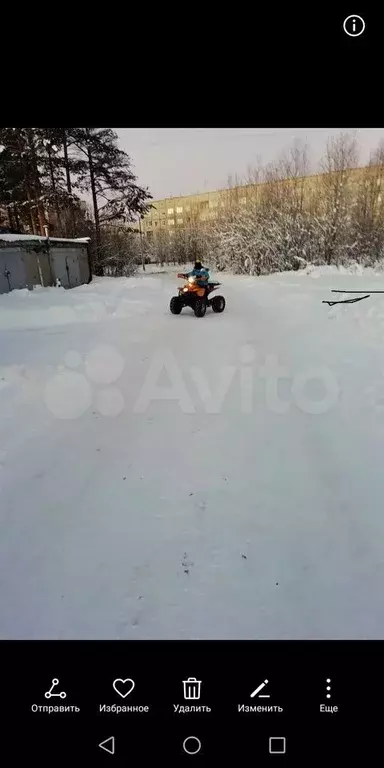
x: 196, y: 293
x: 201, y: 274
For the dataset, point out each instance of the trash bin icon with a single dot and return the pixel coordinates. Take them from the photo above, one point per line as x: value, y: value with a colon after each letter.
x: 192, y: 688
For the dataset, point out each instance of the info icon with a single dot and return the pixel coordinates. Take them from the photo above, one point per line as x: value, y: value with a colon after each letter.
x: 354, y: 25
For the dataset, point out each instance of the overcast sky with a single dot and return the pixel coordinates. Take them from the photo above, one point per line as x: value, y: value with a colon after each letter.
x: 184, y: 161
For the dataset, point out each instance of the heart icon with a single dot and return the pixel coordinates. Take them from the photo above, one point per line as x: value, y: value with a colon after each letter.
x: 123, y: 687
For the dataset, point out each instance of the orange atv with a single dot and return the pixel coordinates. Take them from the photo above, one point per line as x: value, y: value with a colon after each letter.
x: 197, y: 297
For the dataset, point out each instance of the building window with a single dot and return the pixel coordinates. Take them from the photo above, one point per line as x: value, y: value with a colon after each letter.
x: 171, y: 222
x: 179, y: 209
x: 149, y: 223
x: 156, y: 223
x: 179, y: 221
x: 243, y: 200
x: 170, y: 211
x: 187, y: 208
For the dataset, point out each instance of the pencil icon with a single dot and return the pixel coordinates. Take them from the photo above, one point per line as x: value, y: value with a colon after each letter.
x: 260, y: 688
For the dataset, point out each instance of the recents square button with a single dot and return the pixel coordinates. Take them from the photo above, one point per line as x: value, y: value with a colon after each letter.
x: 277, y: 745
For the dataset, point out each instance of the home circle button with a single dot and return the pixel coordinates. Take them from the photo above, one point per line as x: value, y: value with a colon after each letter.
x: 192, y: 745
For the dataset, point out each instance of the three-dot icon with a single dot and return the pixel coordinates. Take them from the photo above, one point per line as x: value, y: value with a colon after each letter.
x: 328, y: 688
x: 354, y: 25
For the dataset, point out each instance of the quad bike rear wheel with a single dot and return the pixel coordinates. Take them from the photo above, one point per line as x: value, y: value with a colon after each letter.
x: 200, y: 307
x: 218, y: 303
x: 175, y: 305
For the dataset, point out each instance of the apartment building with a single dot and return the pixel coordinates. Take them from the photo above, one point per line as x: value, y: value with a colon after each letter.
x: 173, y: 212
x: 176, y: 212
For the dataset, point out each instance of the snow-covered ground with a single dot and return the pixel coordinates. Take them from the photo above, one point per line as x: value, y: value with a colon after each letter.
x: 172, y: 477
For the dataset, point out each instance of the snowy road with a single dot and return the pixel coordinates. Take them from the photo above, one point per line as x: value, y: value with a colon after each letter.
x: 249, y: 504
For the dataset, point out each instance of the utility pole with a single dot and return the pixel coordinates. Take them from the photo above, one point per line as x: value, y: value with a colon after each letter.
x: 141, y: 245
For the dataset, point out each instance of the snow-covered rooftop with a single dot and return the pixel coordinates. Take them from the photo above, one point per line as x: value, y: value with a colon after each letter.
x: 26, y: 238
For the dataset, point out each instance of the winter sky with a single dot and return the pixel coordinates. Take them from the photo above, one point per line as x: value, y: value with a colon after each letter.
x: 184, y: 161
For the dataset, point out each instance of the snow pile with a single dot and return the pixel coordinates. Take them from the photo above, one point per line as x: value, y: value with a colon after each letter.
x: 103, y: 299
x: 352, y: 269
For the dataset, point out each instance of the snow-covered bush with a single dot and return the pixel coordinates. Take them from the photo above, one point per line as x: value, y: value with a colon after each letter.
x: 181, y: 246
x: 335, y: 219
x: 119, y: 254
x: 292, y: 220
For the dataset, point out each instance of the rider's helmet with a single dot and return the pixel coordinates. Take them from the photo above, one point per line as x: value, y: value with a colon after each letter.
x: 198, y: 265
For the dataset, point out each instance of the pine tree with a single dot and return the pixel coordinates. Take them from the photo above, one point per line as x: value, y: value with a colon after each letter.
x: 50, y: 164
x: 35, y: 178
x: 11, y: 179
x: 108, y: 176
x: 17, y: 180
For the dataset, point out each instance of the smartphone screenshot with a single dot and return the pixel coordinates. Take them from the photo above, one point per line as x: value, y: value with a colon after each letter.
x: 192, y: 416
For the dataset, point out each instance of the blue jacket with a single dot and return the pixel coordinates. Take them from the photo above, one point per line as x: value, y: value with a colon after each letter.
x: 200, y: 273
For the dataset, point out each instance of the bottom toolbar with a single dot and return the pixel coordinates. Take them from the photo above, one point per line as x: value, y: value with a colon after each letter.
x: 203, y: 702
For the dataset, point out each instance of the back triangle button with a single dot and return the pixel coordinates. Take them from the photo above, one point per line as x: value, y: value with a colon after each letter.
x: 108, y: 745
